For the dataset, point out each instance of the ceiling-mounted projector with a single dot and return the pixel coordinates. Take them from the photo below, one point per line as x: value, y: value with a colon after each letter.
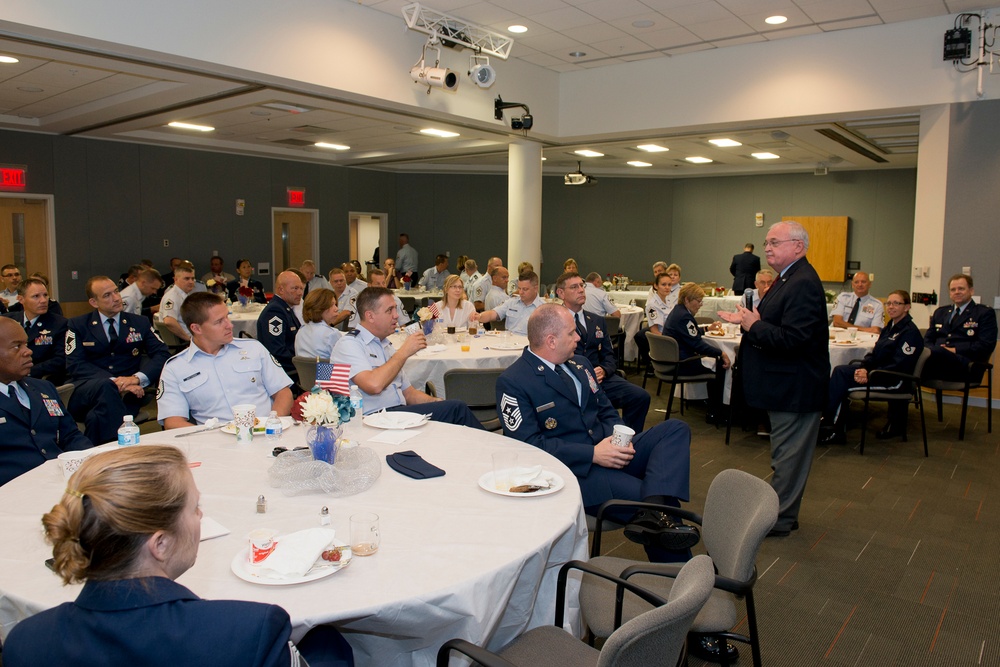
x: 578, y: 177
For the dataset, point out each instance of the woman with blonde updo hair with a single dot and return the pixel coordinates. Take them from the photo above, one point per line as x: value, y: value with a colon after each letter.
x: 127, y: 526
x: 456, y: 310
x: 317, y: 336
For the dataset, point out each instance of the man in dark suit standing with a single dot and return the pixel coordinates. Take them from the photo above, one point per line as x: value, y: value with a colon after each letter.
x: 35, y: 424
x: 785, y: 358
x: 595, y: 345
x: 111, y: 357
x: 744, y: 268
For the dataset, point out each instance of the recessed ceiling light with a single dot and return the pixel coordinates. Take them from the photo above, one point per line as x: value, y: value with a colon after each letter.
x: 191, y: 126
x: 444, y: 134
x: 577, y: 54
x: 698, y: 160
x: 517, y: 28
x: 765, y: 156
x: 775, y: 20
x: 586, y: 152
x: 336, y: 147
x: 10, y: 60
x: 724, y: 143
x: 31, y: 89
x: 638, y: 163
x: 643, y: 23
x: 652, y: 148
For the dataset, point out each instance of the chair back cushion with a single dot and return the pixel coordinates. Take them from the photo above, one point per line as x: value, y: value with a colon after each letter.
x: 740, y: 509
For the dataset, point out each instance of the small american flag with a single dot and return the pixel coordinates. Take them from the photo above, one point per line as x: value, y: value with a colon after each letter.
x: 334, y: 377
x: 433, y: 307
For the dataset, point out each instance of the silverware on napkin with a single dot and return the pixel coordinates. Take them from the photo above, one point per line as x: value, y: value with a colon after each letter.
x: 201, y: 430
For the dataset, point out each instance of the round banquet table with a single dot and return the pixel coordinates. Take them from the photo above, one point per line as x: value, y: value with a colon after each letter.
x: 839, y: 355
x: 455, y: 560
x: 245, y: 322
x: 625, y: 296
x: 631, y: 321
x: 429, y: 365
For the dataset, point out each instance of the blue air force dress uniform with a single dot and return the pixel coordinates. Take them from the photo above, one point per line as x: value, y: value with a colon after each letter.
x: 197, y: 386
x: 537, y: 406
x: 595, y: 345
x: 682, y: 327
x: 257, y: 287
x: 157, y: 622
x: 93, y: 357
x: 364, y: 352
x: 277, y: 326
x: 515, y: 313
x: 34, y: 433
x: 871, y: 312
x: 970, y: 331
x: 897, y: 349
x: 47, y: 340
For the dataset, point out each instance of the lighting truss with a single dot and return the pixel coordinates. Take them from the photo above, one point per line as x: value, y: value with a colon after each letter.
x: 452, y: 31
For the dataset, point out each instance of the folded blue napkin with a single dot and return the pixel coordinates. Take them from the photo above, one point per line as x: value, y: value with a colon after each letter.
x: 412, y: 465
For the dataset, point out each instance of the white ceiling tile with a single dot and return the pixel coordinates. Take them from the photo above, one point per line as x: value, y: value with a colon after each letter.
x: 643, y: 56
x: 534, y: 29
x: 721, y: 29
x: 543, y: 59
x: 660, y: 22
x: 697, y: 13
x: 795, y: 16
x: 567, y: 17
x: 792, y: 32
x: 891, y: 5
x: 836, y: 11
x: 564, y: 67
x: 602, y: 63
x: 622, y: 46
x: 689, y: 49
x: 736, y: 41
x: 660, y: 5
x: 772, y: 6
x: 830, y: 26
x: 608, y: 10
x: 548, y: 41
x: 486, y: 12
x: 597, y: 32
x: 669, y: 38
x: 956, y: 6
x: 531, y: 7
x: 909, y: 14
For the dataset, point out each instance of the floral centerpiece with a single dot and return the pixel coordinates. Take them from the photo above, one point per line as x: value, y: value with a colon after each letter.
x: 216, y: 286
x: 244, y: 294
x: 406, y: 281
x: 426, y: 317
x: 326, y: 414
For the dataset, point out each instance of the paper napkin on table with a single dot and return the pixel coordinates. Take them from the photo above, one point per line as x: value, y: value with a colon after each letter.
x: 295, y: 554
x: 211, y: 528
x: 432, y: 349
x: 394, y: 437
x: 533, y: 476
x: 398, y: 420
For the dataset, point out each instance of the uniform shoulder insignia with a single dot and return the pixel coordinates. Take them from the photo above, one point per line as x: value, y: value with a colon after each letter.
x: 70, y: 342
x: 275, y: 326
x: 168, y: 304
x: 353, y: 332
x: 276, y: 362
x: 692, y: 329
x: 908, y: 349
x: 159, y: 389
x: 511, y: 412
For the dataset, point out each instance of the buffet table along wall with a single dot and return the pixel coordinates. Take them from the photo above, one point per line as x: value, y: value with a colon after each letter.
x: 455, y: 560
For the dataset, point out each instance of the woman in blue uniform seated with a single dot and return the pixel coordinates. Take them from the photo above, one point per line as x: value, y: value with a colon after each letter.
x: 898, y: 347
x: 128, y: 525
x: 317, y: 336
x: 682, y: 327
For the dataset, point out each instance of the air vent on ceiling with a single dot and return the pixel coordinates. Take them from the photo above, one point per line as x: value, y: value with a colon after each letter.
x: 312, y: 129
x: 294, y: 142
x: 853, y: 145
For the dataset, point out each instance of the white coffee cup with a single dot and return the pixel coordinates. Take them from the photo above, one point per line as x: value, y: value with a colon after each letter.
x: 244, y: 418
x: 621, y: 436
x: 71, y: 461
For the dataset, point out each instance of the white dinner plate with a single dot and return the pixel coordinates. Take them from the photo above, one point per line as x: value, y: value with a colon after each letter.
x: 230, y: 428
x: 322, y: 569
x: 395, y: 420
x: 507, y: 346
x: 844, y: 343
x: 486, y: 483
x: 726, y: 337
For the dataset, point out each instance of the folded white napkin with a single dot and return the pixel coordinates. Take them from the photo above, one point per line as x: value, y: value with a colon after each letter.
x: 295, y: 554
x: 432, y: 349
x: 211, y: 528
x: 534, y: 476
x: 394, y: 437
x: 399, y: 419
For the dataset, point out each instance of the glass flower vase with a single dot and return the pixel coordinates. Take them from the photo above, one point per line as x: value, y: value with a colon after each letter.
x: 322, y: 441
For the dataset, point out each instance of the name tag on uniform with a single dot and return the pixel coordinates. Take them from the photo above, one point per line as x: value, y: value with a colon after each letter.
x: 3, y: 420
x: 88, y: 343
x: 547, y: 406
x: 52, y: 406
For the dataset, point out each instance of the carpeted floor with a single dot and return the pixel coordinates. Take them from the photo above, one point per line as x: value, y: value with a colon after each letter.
x: 891, y: 563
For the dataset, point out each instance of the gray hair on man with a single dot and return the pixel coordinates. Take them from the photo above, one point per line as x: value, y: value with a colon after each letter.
x: 796, y: 232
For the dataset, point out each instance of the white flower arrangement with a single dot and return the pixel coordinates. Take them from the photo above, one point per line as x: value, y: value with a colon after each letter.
x: 320, y: 408
x: 425, y: 314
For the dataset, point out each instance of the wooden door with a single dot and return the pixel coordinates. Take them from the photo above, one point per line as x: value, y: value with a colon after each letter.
x: 24, y: 237
x: 293, y: 239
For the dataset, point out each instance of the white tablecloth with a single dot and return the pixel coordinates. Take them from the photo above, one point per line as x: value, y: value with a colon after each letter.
x: 483, y: 353
x: 455, y: 560
x: 631, y: 322
x: 241, y: 321
x: 839, y: 355
x: 625, y: 296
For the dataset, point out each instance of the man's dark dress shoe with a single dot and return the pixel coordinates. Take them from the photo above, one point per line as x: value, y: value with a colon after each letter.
x: 834, y: 437
x: 652, y: 528
x: 890, y: 431
x: 707, y: 648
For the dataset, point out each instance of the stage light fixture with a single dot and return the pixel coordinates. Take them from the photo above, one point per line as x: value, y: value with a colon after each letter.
x: 481, y: 71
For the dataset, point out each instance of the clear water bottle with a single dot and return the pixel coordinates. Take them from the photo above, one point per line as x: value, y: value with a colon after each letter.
x: 128, y: 433
x: 273, y: 427
x: 357, y: 402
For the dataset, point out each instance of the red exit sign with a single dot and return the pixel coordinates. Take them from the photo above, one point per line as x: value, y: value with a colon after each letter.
x: 13, y: 177
x: 296, y: 196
